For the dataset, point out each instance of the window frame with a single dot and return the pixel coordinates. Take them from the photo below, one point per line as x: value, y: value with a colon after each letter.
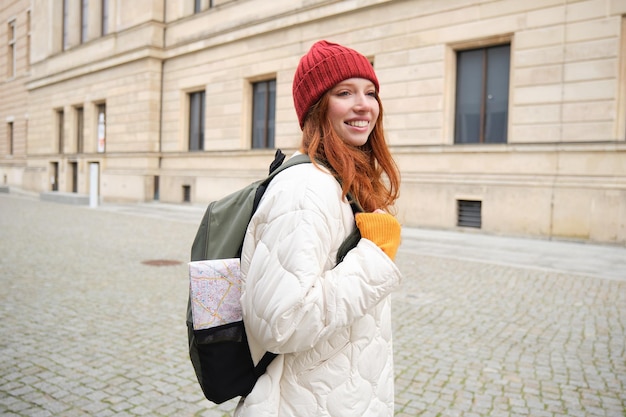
x: 451, y: 108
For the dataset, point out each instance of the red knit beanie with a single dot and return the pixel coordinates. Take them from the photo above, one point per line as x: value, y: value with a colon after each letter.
x: 325, y: 65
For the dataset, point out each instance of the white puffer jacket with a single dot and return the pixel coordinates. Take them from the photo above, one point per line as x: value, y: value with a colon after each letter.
x: 331, y: 325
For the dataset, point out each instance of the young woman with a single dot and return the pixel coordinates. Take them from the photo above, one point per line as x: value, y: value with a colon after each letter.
x: 330, y: 323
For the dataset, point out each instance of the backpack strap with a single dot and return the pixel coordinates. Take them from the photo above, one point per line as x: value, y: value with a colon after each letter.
x: 261, y: 367
x: 353, y: 238
x: 276, y: 167
x: 279, y: 157
x: 294, y: 160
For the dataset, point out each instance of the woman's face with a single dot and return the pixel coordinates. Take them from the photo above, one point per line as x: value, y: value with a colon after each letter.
x: 353, y: 110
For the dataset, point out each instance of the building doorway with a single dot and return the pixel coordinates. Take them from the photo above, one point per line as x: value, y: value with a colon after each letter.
x: 54, y: 176
x: 73, y: 177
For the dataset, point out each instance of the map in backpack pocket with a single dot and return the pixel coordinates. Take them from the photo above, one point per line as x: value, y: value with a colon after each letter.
x: 215, y: 288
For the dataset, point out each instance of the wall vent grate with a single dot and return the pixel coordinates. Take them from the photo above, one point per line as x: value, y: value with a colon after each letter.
x: 469, y: 213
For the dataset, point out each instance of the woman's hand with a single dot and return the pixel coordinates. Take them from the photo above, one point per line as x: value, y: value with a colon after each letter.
x: 381, y: 228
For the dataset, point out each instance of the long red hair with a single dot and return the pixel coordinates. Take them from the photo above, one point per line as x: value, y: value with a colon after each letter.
x: 368, y: 171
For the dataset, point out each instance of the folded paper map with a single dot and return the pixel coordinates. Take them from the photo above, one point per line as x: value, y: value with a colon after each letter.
x: 215, y: 288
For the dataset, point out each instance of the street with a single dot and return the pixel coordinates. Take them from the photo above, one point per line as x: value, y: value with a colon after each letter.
x: 93, y: 304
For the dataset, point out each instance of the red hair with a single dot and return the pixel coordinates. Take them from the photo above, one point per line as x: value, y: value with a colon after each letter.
x: 360, y: 170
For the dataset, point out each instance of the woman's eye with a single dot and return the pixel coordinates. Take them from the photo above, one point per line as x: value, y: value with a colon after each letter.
x: 372, y: 93
x: 343, y: 93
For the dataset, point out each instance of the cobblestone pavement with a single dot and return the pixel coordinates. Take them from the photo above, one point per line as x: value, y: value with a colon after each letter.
x: 87, y: 329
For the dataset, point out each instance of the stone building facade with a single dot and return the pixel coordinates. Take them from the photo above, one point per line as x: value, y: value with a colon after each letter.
x: 505, y: 116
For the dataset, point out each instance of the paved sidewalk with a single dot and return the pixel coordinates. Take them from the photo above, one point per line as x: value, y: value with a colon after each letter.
x: 574, y: 258
x: 577, y: 258
x: 484, y: 325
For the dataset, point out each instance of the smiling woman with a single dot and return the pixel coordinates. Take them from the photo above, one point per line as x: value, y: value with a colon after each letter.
x: 329, y: 323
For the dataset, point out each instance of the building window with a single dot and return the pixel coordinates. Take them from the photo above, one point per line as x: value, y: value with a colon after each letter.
x: 101, y: 127
x: 66, y: 25
x: 263, y: 113
x: 11, y: 51
x: 84, y: 20
x: 482, y: 95
x: 10, y: 138
x: 104, y: 29
x: 200, y: 5
x: 196, y: 121
x: 80, y: 130
x: 28, y: 40
x: 60, y: 130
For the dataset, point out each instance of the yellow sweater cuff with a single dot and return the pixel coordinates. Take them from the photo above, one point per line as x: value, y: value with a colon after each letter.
x: 381, y: 228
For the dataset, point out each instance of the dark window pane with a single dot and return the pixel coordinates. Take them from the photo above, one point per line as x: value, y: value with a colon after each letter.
x: 259, y: 107
x: 469, y: 93
x: 84, y: 19
x: 65, y: 24
x: 196, y: 121
x: 10, y: 135
x: 105, y: 18
x: 80, y: 123
x: 61, y: 130
x: 497, y: 105
x: 271, y: 113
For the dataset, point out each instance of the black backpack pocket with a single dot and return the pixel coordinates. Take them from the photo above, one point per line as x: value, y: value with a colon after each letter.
x: 224, y: 363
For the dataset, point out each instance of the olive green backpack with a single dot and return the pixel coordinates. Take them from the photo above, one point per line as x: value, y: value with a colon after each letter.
x: 220, y: 355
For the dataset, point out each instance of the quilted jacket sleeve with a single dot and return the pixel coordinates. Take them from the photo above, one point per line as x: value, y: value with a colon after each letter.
x: 294, y: 296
